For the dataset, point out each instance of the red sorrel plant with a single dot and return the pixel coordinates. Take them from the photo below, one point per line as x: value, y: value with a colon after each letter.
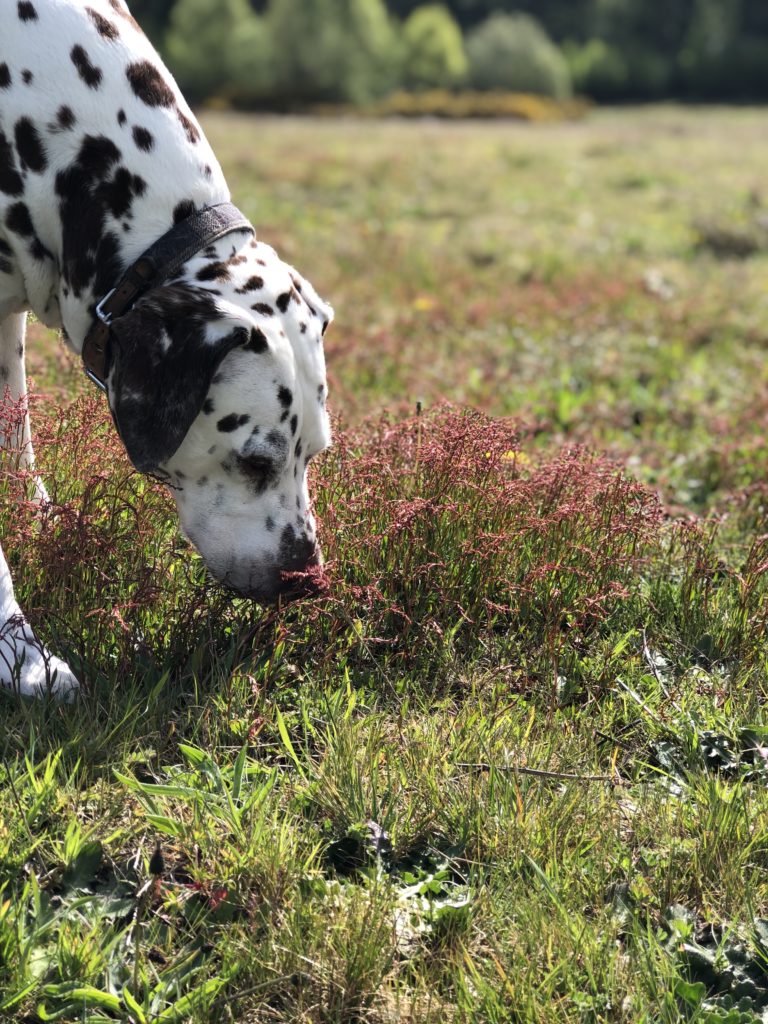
x: 440, y: 534
x: 710, y: 598
x: 440, y: 526
x: 100, y: 564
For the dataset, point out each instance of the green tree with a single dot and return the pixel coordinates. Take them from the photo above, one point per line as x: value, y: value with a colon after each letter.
x: 331, y: 50
x: 250, y: 63
x: 657, y: 26
x: 598, y: 69
x: 608, y: 72
x: 153, y: 16
x: 216, y: 50
x: 512, y: 51
x: 710, y: 55
x: 433, y: 48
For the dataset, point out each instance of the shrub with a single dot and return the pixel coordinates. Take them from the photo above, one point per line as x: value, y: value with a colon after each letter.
x: 217, y: 55
x: 598, y: 69
x: 603, y: 72
x: 331, y: 51
x: 739, y: 71
x: 153, y: 16
x: 250, y: 61
x: 722, y: 56
x: 98, y: 569
x: 467, y: 537
x: 439, y: 534
x: 433, y: 49
x: 513, y: 52
x: 467, y: 103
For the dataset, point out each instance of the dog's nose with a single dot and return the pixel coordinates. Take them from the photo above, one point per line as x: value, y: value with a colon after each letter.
x: 297, y: 579
x: 304, y: 555
x: 294, y: 579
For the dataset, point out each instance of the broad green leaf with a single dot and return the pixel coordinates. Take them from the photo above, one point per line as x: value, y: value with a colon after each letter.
x: 133, y: 1006
x: 692, y: 993
x: 17, y: 997
x: 237, y: 775
x: 157, y: 788
x: 83, y: 995
x: 166, y: 825
x: 189, y: 1001
x: 287, y: 742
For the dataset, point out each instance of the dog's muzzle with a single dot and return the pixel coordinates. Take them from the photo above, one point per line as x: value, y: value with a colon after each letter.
x: 295, y: 579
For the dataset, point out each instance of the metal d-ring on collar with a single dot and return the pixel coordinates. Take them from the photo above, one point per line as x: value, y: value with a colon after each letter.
x: 106, y: 318
x: 155, y: 265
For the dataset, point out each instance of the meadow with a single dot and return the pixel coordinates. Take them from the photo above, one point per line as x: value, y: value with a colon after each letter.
x: 511, y: 765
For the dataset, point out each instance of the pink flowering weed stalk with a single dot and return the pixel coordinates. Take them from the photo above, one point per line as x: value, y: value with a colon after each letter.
x: 440, y: 529
x: 439, y: 533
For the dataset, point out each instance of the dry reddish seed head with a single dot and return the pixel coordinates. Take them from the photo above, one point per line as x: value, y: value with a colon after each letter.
x: 443, y: 516
x: 427, y: 522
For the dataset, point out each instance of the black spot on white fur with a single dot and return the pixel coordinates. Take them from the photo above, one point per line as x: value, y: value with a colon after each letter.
x: 190, y: 128
x: 253, y: 284
x: 26, y: 11
x: 143, y: 138
x: 65, y: 120
x: 183, y: 210
x: 11, y: 182
x: 232, y: 422
x: 257, y: 341
x: 259, y: 471
x: 89, y: 73
x: 29, y: 146
x: 90, y: 252
x: 214, y: 272
x: 104, y: 26
x: 149, y: 86
x: 19, y: 221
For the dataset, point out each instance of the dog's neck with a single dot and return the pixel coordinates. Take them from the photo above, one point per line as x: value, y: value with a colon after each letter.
x: 76, y: 313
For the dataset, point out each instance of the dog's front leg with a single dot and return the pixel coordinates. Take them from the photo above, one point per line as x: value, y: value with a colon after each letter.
x: 13, y: 386
x: 26, y: 666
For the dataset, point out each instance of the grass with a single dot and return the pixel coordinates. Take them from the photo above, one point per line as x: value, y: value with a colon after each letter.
x: 511, y: 766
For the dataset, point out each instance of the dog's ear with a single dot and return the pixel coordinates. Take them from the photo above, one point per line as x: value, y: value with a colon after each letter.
x: 163, y: 355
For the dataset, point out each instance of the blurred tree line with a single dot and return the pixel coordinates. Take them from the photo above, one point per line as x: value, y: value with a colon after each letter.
x: 290, y: 53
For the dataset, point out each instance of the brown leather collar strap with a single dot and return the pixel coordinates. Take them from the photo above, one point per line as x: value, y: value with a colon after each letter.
x: 155, y: 265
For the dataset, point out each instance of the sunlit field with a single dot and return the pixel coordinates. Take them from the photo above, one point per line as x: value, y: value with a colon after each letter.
x: 511, y: 764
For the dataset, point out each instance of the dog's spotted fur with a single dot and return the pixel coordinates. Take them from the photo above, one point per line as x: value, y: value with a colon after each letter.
x: 217, y: 378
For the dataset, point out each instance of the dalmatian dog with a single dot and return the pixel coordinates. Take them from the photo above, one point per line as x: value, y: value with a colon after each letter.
x: 213, y: 369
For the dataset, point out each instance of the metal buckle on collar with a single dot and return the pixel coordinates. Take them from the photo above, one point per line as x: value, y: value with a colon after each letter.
x: 96, y: 380
x: 105, y: 317
x: 102, y: 314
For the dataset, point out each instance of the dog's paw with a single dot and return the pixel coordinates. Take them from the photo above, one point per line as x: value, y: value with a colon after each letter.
x: 29, y: 669
x: 48, y: 675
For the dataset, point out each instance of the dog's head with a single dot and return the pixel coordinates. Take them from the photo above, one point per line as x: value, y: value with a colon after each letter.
x: 217, y: 383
